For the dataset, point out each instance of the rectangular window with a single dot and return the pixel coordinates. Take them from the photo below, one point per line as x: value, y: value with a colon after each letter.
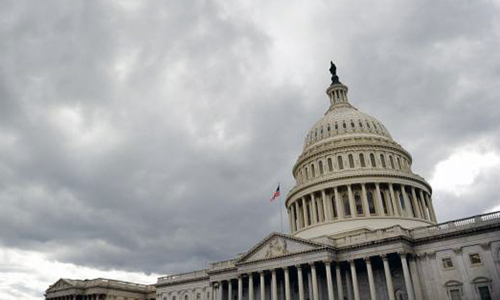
x: 447, y: 263
x: 455, y: 294
x: 484, y: 293
x: 474, y: 258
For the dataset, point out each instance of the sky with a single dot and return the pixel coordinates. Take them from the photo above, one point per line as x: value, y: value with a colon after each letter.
x: 145, y: 138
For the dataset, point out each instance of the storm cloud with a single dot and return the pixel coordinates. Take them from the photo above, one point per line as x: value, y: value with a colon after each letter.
x: 148, y: 136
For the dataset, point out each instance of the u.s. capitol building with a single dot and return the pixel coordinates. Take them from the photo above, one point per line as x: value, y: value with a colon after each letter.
x: 362, y: 226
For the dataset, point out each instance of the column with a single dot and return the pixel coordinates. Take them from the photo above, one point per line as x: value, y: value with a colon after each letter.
x: 290, y: 219
x: 431, y: 208
x: 229, y: 290
x: 409, y: 212
x: 240, y: 287
x: 338, y: 204
x: 262, y: 286
x: 287, y: 283
x: 294, y: 220
x: 416, y: 279
x: 406, y: 273
x: 251, y: 295
x: 219, y: 294
x: 212, y: 291
x: 351, y: 201
x: 329, y: 281
x: 364, y: 198
x: 300, y: 215
x: 378, y: 196
x: 304, y: 210
x: 348, y: 283
x: 339, y: 281
x: 274, y: 285
x: 354, y: 276
x: 426, y: 212
x: 314, y: 209
x: 301, y: 282
x: 371, y: 281
x: 327, y: 205
x: 395, y: 203
x: 388, y: 277
x: 415, y: 203
x: 314, y: 281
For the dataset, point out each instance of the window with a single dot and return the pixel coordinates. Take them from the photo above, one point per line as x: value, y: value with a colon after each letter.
x: 362, y: 160
x: 382, y: 159
x: 447, y: 263
x: 328, y: 128
x: 186, y: 297
x: 336, y: 126
x: 475, y: 259
x: 345, y: 203
x: 455, y: 294
x: 198, y: 296
x: 359, y: 205
x: 399, y: 164
x: 360, y: 124
x: 313, y: 172
x: 343, y: 125
x: 372, y: 160
x: 402, y: 200
x: 392, y: 161
x: 351, y: 161
x: 352, y: 124
x: 340, y: 162
x: 174, y: 298
x: 330, y: 164
x: 367, y: 124
x: 320, y: 167
x: 307, y: 173
x: 484, y: 293
x: 371, y: 204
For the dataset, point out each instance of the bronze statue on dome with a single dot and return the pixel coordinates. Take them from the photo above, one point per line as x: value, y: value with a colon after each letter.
x: 333, y: 71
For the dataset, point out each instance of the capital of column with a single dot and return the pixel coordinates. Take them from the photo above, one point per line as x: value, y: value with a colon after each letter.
x: 383, y: 256
x: 327, y: 261
x: 312, y: 264
x: 298, y: 267
x: 367, y: 260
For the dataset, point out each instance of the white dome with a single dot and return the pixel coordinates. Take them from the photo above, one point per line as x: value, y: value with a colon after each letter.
x: 344, y: 119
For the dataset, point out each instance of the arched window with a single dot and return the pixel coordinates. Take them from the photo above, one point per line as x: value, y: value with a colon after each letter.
x: 362, y: 160
x: 336, y: 126
x: 368, y: 125
x: 399, y: 163
x: 320, y: 167
x: 330, y: 164
x: 372, y: 160
x: 359, y: 205
x: 371, y: 204
x: 382, y: 159
x: 345, y: 203
x: 360, y: 124
x: 392, y: 161
x: 344, y: 125
x: 328, y: 128
x: 340, y: 162
x: 307, y: 173
x: 186, y: 297
x: 384, y: 202
x: 352, y: 124
x: 351, y: 161
x: 313, y: 172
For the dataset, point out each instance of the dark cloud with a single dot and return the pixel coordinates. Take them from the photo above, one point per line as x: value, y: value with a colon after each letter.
x: 149, y: 136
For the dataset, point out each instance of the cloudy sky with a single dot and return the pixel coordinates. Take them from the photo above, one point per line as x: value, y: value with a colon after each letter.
x: 143, y: 138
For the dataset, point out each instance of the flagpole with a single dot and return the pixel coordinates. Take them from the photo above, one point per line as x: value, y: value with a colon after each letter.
x: 281, y: 212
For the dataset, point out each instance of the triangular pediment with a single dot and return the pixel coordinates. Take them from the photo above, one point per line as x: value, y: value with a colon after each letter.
x: 61, y: 284
x: 277, y: 245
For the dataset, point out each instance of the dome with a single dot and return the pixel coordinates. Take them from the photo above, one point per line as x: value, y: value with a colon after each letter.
x: 353, y: 177
x: 341, y: 120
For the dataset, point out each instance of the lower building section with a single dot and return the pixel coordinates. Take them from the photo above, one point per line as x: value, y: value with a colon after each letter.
x: 453, y: 260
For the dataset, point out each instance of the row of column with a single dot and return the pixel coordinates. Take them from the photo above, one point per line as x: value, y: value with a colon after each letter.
x: 311, y: 209
x: 411, y: 278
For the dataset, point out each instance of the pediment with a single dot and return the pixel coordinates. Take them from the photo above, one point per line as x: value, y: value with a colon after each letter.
x: 61, y: 284
x: 277, y: 245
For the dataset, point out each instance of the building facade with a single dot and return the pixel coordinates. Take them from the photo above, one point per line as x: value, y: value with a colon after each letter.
x: 362, y: 226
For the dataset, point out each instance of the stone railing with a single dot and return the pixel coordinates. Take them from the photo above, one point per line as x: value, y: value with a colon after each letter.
x: 221, y: 265
x: 420, y: 232
x: 459, y: 224
x: 117, y: 284
x: 183, y: 276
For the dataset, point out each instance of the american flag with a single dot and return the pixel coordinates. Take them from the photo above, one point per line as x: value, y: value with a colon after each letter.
x: 276, y: 194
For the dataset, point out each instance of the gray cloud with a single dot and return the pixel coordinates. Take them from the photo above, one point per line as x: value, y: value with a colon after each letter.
x: 150, y: 138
